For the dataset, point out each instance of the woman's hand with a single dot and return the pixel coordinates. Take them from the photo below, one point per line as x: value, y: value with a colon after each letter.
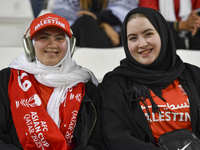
x: 192, y: 24
x: 111, y: 33
x: 85, y: 12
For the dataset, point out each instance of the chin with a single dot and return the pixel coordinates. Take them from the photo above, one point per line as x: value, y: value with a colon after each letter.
x: 147, y: 63
x: 50, y: 64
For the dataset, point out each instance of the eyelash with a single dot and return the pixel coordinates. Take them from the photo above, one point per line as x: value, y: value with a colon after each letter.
x: 135, y: 37
x: 150, y: 33
x: 43, y: 37
x: 60, y: 38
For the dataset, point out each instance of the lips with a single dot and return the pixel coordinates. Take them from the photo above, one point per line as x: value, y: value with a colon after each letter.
x: 145, y: 51
x: 51, y: 52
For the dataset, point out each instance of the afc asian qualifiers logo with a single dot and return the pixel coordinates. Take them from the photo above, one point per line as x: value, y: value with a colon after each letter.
x: 33, y: 101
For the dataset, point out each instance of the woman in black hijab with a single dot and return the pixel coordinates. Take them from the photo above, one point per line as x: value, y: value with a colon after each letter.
x: 152, y: 91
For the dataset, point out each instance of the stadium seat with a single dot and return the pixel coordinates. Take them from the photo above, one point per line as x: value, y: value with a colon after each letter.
x: 15, y: 17
x: 190, y: 56
x: 8, y: 54
x: 99, y: 60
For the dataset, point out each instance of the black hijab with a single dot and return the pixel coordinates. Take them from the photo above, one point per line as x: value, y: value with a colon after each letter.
x: 157, y: 75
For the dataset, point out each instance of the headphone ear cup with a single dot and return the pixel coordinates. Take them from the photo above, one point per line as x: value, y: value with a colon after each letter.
x: 72, y: 41
x: 72, y: 45
x: 28, y: 48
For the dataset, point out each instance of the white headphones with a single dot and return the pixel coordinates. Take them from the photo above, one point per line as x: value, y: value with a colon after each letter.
x: 29, y: 48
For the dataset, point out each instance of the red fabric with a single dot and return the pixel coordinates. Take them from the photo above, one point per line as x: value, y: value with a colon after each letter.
x: 45, y: 93
x: 49, y: 20
x: 35, y: 128
x: 149, y: 3
x: 195, y: 4
x: 154, y: 4
x: 75, y: 95
x: 175, y: 112
x: 176, y: 8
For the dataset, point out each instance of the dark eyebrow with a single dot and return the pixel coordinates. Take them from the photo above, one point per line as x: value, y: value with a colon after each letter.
x: 142, y: 32
x: 131, y: 35
x: 147, y: 30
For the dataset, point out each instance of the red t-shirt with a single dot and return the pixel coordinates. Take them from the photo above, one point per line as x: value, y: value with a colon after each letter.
x: 174, y: 112
x: 45, y: 93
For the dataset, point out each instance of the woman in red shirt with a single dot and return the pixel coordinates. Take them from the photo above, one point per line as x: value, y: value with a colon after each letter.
x: 152, y: 91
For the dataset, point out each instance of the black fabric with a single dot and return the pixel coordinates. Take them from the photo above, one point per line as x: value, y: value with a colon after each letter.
x: 159, y: 74
x: 102, y: 14
x: 180, y: 41
x: 8, y: 135
x: 124, y: 125
x: 87, y: 31
x: 108, y: 17
x: 194, y: 40
x: 192, y: 73
x: 96, y: 6
x: 88, y: 34
x: 86, y: 134
x: 179, y: 139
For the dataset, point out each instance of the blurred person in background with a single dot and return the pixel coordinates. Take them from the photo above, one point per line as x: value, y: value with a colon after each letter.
x: 37, y: 6
x: 95, y: 23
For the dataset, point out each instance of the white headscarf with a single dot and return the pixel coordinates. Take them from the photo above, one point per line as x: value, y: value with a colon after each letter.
x: 62, y: 76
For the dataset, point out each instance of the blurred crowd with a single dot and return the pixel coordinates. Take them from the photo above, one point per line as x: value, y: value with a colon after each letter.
x: 98, y: 23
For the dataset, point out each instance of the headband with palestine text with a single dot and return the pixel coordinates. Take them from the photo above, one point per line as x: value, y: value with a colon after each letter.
x: 49, y: 20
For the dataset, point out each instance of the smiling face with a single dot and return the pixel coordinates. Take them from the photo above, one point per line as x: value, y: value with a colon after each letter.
x: 50, y: 46
x: 143, y: 40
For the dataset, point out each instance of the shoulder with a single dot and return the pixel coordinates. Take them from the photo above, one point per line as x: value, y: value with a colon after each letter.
x: 5, y: 71
x: 89, y: 85
x: 5, y: 74
x: 4, y: 81
x: 113, y: 88
x: 192, y: 69
x: 113, y: 82
x: 193, y: 72
x: 91, y: 91
x: 90, y: 88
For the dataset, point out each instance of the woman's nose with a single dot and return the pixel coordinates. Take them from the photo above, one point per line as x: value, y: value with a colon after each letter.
x: 52, y: 44
x: 142, y: 42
